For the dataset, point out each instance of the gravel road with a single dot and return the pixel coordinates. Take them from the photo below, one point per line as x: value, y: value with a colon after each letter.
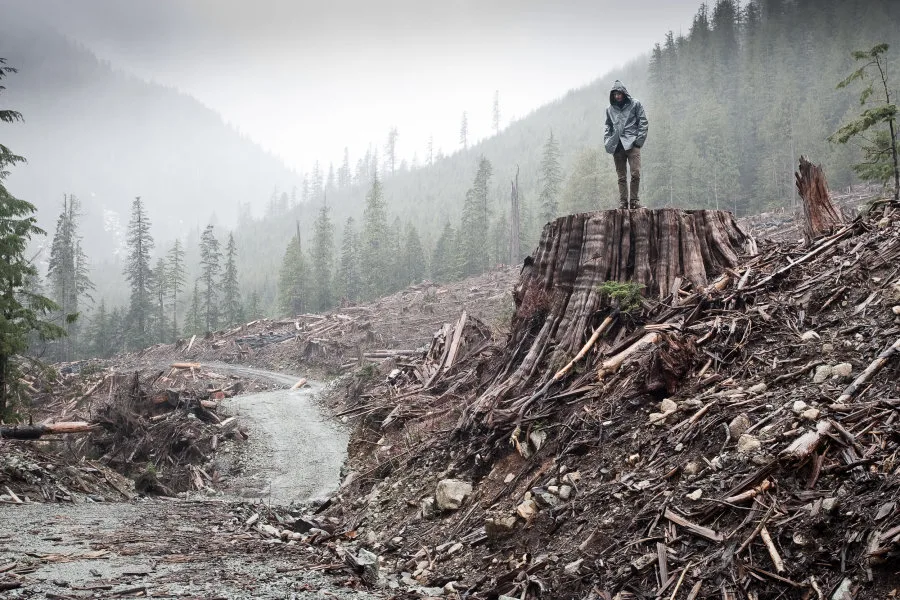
x: 184, y: 548
x: 294, y: 452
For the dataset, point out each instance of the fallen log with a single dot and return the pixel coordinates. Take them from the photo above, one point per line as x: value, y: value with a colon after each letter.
x: 185, y: 365
x: 33, y: 432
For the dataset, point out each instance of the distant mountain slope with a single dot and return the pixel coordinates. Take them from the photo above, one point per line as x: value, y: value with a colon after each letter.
x: 107, y: 137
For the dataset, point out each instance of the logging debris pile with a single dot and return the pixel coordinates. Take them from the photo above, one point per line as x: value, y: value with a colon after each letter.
x: 736, y: 440
x: 395, y: 326
x: 160, y: 430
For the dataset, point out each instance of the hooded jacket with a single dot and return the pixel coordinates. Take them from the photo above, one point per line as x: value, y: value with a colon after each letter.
x: 626, y: 123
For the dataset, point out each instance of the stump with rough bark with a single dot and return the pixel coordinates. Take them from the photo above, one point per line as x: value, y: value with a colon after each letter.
x: 820, y: 214
x: 560, y: 294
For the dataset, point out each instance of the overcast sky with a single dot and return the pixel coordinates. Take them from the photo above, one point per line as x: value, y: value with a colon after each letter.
x: 305, y: 79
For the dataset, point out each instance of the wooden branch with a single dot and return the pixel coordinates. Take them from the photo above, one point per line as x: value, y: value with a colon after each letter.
x: 807, y: 443
x: 300, y: 383
x: 699, y: 530
x: 874, y: 367
x: 185, y: 365
x: 33, y: 432
x: 773, y: 552
x: 611, y: 365
x: 750, y: 494
x: 590, y: 344
x: 457, y: 336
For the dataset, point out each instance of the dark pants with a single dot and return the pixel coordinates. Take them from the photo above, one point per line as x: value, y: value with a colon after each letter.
x: 631, y: 158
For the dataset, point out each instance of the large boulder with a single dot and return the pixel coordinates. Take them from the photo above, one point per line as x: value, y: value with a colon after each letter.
x: 451, y: 493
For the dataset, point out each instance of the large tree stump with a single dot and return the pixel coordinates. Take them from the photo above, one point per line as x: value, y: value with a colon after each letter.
x: 558, y: 296
x: 820, y: 214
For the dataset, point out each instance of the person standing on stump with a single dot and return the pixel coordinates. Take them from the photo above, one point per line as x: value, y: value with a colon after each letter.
x: 626, y: 132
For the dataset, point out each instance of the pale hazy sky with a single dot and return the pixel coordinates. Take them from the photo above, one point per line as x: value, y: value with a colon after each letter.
x: 304, y: 79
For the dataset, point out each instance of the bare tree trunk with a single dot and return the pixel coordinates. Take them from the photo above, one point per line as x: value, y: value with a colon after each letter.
x: 559, y: 295
x: 515, y: 251
x: 821, y: 216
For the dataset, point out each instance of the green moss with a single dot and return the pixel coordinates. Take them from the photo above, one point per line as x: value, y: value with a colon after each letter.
x: 627, y: 294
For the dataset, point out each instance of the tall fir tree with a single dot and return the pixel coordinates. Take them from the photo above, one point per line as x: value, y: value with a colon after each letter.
x: 292, y: 288
x: 210, y: 268
x: 193, y: 318
x: 374, y: 258
x: 102, y: 342
x: 322, y: 261
x: 390, y: 151
x: 495, y: 113
x: 475, y: 222
x: 414, y: 264
x: 160, y: 294
x: 551, y: 180
x: 348, y: 279
x: 69, y: 277
x: 176, y: 281
x: 464, y: 131
x: 232, y: 310
x: 139, y: 275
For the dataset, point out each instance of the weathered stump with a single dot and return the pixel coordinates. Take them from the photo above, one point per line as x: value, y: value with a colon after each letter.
x: 820, y: 214
x: 560, y: 293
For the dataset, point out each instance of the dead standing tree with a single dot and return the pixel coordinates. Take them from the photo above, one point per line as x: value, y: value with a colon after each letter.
x: 821, y: 216
x: 560, y: 294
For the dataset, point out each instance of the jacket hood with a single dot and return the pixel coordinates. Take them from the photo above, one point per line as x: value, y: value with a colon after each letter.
x: 618, y: 86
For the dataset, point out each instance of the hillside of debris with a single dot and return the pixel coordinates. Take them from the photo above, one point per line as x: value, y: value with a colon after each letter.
x: 152, y: 421
x: 735, y: 440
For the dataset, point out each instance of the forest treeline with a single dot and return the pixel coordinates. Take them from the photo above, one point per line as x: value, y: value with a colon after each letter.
x: 732, y: 104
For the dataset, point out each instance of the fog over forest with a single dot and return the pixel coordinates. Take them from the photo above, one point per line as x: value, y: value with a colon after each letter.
x: 290, y: 156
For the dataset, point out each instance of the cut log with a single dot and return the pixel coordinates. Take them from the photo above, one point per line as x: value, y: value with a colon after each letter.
x: 559, y: 294
x: 185, y: 365
x: 33, y: 432
x: 821, y: 216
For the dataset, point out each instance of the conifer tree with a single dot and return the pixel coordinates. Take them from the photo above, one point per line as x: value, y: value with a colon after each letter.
x: 414, y: 266
x: 429, y: 151
x: 210, y: 267
x: 101, y: 335
x: 68, y: 275
x: 322, y: 261
x: 160, y: 286
x: 475, y: 222
x: 344, y: 175
x: 348, y: 271
x: 176, y: 281
x: 231, y: 293
x: 139, y: 276
x: 443, y: 259
x: 374, y: 259
x: 253, y: 309
x: 22, y: 311
x: 193, y: 318
x: 495, y: 113
x: 881, y: 152
x: 464, y: 131
x: 390, y: 151
x: 292, y: 290
x: 551, y: 180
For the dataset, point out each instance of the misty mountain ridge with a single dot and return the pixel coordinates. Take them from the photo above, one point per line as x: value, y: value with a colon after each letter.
x: 107, y: 136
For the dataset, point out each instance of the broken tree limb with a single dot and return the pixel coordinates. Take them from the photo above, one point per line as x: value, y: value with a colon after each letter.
x: 457, y: 336
x: 611, y: 365
x: 590, y: 344
x: 807, y: 443
x: 300, y: 383
x: 773, y: 552
x: 699, y: 530
x: 874, y: 367
x: 185, y: 365
x: 33, y: 432
x: 821, y: 216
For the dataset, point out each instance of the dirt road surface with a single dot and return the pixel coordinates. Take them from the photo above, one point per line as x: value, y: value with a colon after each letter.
x: 294, y: 453
x: 190, y: 548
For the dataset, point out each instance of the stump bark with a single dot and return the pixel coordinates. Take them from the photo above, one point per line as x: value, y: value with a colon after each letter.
x: 820, y: 214
x: 559, y: 296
